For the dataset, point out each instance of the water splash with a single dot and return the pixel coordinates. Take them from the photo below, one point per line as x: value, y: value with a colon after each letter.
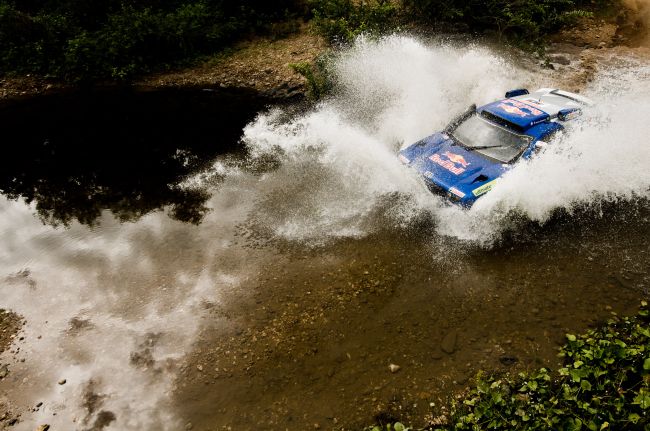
x: 338, y: 160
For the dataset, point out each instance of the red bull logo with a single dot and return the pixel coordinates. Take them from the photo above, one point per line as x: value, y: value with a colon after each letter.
x: 512, y: 110
x: 456, y: 158
x: 450, y: 165
x: 521, y: 109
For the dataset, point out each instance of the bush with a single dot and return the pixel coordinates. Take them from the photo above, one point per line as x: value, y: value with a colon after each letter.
x: 117, y: 39
x: 604, y: 384
x: 343, y: 20
x: 520, y: 20
x: 318, y: 75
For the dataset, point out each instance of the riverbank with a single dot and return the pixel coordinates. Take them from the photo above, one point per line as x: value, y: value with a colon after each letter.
x: 263, y: 64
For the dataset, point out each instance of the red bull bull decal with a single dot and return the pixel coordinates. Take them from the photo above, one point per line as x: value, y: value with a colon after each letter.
x: 456, y: 158
x: 521, y: 109
x: 450, y: 165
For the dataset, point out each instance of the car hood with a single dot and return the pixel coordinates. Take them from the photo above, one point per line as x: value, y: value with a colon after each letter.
x: 466, y: 174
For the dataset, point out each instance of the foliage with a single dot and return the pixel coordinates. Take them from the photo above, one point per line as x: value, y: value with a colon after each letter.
x: 318, y: 76
x: 90, y: 40
x: 343, y: 20
x: 117, y: 39
x: 522, y: 20
x: 604, y: 384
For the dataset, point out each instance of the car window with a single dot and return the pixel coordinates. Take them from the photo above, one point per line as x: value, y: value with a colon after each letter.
x: 489, y: 139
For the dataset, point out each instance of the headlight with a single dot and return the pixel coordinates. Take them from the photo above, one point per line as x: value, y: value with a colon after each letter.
x: 404, y: 159
x: 456, y: 192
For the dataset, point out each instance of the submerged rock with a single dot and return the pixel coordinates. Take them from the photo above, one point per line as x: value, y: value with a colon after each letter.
x: 448, y: 344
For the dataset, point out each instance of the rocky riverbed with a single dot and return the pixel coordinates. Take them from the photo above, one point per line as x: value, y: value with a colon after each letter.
x: 10, y: 341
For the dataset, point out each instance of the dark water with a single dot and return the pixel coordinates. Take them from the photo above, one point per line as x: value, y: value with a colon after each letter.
x: 77, y: 154
x: 163, y: 305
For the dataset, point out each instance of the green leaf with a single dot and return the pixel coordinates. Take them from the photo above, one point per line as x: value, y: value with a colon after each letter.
x: 576, y: 375
x: 570, y: 337
x: 634, y: 418
x: 643, y: 399
x: 574, y: 424
x: 585, y: 385
x: 398, y: 426
x: 646, y: 364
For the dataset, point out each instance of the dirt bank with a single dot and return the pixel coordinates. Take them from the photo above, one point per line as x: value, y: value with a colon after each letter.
x: 261, y: 65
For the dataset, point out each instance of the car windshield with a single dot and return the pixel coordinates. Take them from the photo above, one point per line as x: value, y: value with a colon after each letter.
x: 477, y: 134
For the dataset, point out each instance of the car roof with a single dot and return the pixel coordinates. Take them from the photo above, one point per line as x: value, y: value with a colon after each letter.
x: 528, y: 110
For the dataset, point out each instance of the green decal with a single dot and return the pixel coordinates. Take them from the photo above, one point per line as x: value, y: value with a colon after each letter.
x: 484, y: 188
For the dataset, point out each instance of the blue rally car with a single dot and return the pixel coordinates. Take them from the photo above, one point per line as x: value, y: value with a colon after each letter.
x: 464, y: 161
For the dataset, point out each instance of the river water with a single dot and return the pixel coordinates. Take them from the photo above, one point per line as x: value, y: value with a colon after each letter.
x: 177, y: 276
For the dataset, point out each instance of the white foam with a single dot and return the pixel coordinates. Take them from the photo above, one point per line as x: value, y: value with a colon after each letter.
x: 398, y: 89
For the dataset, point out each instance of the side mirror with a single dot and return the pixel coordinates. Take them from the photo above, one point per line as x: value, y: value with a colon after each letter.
x: 517, y: 92
x: 569, y: 114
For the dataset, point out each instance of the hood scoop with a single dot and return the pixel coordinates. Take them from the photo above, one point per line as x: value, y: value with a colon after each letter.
x: 481, y: 178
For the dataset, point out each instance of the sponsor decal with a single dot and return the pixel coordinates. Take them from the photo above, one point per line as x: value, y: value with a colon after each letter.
x: 456, y: 158
x: 484, y: 188
x: 521, y: 109
x: 457, y: 192
x: 450, y: 165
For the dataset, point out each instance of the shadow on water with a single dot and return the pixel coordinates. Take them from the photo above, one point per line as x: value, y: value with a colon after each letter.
x: 74, y: 155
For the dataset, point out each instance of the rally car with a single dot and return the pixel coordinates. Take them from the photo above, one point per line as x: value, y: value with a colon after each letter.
x: 465, y: 161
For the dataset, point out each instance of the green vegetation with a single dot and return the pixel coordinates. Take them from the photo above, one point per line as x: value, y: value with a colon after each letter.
x: 115, y: 40
x: 343, y: 20
x: 516, y: 20
x: 317, y: 75
x: 604, y: 384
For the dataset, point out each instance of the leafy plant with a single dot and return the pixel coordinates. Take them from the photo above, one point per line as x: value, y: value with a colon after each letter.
x: 317, y: 74
x: 117, y: 39
x: 343, y: 20
x: 604, y: 384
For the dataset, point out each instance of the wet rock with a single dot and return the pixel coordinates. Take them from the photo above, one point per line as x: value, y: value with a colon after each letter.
x: 436, y: 354
x: 62, y: 381
x: 508, y: 360
x: 448, y: 344
x: 43, y: 428
x: 394, y: 368
x: 560, y: 59
x: 4, y: 371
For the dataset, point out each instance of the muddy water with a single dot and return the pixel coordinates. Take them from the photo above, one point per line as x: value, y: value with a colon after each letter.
x: 170, y: 277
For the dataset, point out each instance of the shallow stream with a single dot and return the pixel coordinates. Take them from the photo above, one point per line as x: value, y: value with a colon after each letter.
x: 173, y: 275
